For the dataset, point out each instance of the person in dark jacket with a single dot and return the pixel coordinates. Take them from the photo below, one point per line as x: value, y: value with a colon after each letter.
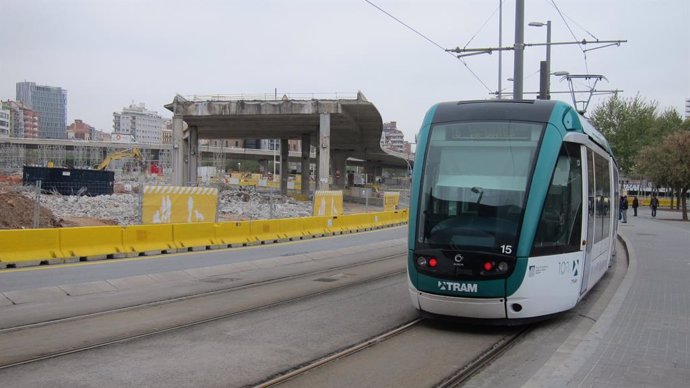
x: 635, y: 204
x: 654, y: 203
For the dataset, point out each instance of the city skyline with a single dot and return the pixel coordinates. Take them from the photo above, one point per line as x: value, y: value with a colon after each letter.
x: 344, y: 46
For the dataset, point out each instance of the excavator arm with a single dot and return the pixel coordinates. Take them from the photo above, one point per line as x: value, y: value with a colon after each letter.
x: 129, y: 153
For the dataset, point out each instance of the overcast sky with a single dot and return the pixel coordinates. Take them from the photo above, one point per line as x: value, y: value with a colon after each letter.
x: 110, y: 53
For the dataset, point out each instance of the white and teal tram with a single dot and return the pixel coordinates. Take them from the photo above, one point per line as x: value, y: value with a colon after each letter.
x: 512, y: 214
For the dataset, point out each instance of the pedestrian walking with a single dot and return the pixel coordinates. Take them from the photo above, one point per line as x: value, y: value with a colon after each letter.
x: 654, y: 203
x: 635, y: 204
x: 624, y: 209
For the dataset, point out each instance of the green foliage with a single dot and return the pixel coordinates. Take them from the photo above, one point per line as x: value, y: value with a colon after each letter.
x: 628, y: 125
x: 632, y: 124
x: 668, y: 163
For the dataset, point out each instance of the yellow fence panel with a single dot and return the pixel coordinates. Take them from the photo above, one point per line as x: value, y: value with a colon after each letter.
x: 328, y: 203
x: 233, y: 233
x: 29, y: 244
x: 144, y: 238
x: 391, y: 200
x: 92, y: 241
x: 178, y: 204
x: 200, y: 234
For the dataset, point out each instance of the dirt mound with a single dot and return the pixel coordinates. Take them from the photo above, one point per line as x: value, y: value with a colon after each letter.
x: 17, y: 212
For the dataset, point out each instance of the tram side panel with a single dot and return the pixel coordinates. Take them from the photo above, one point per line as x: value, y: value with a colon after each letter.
x: 551, y: 284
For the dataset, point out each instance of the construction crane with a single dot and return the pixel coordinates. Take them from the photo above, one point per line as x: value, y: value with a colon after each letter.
x: 128, y: 153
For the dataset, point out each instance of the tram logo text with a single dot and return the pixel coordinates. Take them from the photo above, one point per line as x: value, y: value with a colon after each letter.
x: 459, y: 287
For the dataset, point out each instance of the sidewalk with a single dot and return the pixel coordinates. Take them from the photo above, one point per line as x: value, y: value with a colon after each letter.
x: 643, y: 337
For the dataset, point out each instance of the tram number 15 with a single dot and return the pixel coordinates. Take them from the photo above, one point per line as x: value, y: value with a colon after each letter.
x: 506, y: 249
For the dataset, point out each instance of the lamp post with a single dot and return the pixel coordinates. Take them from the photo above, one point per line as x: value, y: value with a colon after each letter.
x: 545, y: 81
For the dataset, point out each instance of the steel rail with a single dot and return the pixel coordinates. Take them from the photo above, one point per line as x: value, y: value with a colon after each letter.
x: 484, y: 359
x: 338, y: 355
x: 192, y: 323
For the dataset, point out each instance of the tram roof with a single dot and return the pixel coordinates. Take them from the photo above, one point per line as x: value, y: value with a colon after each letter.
x: 519, y: 110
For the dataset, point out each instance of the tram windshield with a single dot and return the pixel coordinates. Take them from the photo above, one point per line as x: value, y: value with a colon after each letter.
x: 475, y: 183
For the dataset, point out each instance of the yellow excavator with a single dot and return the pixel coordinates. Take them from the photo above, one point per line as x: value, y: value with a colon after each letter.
x: 128, y: 153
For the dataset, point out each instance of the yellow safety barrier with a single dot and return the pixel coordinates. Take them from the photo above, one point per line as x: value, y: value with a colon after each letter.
x: 91, y: 241
x: 354, y: 222
x: 47, y: 244
x: 145, y: 238
x: 292, y: 228
x: 200, y: 234
x: 29, y: 244
x: 317, y: 226
x: 233, y: 233
x: 265, y: 230
x: 178, y: 204
x: 328, y: 203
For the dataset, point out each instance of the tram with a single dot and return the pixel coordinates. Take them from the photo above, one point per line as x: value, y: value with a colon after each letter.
x: 510, y: 211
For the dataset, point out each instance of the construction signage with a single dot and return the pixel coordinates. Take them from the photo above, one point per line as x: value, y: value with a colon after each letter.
x: 328, y: 203
x: 390, y: 201
x: 177, y: 204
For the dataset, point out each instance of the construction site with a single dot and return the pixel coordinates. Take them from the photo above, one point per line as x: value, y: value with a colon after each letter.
x: 242, y: 195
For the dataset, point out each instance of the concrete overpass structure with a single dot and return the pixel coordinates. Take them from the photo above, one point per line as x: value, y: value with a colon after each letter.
x: 339, y: 129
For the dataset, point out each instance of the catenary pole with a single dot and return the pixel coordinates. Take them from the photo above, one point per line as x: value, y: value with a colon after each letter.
x: 519, y: 48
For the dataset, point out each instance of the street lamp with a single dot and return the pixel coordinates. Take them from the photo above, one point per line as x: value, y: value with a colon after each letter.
x: 544, y: 86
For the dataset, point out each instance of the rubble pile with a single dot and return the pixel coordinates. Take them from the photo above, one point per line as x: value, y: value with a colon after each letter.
x: 18, y: 213
x: 124, y: 208
x: 249, y: 204
x: 121, y: 208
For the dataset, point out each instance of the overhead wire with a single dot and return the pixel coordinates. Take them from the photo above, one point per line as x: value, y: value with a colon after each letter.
x: 482, y: 27
x: 430, y: 41
x: 580, y: 45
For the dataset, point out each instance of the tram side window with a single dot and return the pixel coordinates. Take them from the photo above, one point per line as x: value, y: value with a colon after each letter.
x: 560, y: 224
x: 603, y: 197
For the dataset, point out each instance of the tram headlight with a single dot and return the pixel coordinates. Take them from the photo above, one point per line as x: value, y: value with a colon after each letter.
x: 421, y: 261
x: 502, y: 267
x: 488, y: 266
x: 433, y: 262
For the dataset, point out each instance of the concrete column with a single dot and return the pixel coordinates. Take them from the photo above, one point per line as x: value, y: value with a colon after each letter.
x: 317, y: 168
x: 325, y: 150
x: 306, y: 145
x: 177, y: 154
x: 192, y: 156
x: 339, y: 169
x: 284, y: 165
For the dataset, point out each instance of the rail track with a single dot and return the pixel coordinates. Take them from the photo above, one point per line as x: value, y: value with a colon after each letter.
x: 491, y: 351
x: 150, y: 319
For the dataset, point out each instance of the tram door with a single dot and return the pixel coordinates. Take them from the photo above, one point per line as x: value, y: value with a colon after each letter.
x: 591, y: 216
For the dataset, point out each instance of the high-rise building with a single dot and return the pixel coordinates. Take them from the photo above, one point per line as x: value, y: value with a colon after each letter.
x: 4, y: 122
x: 23, y: 120
x: 51, y: 104
x: 392, y: 138
x: 142, y: 125
x: 687, y: 108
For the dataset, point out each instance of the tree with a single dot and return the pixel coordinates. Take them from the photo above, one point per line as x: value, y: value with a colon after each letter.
x: 668, y: 163
x: 629, y: 125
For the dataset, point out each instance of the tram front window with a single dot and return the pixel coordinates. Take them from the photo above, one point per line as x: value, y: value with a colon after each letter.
x: 475, y: 183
